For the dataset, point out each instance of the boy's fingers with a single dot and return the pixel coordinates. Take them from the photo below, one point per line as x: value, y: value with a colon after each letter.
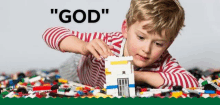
x: 94, y: 53
x: 108, y: 50
x: 111, y: 47
x: 99, y: 49
x: 104, y: 48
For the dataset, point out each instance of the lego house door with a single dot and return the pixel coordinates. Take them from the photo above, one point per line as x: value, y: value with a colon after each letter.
x: 123, y: 87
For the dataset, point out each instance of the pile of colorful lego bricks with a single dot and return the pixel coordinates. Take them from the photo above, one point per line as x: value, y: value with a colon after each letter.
x: 44, y: 84
x: 209, y: 82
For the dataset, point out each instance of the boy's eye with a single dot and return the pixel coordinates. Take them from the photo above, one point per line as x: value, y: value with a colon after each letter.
x: 159, y: 44
x: 140, y: 37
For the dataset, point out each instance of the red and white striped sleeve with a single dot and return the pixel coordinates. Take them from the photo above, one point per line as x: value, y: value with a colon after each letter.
x: 53, y: 36
x: 174, y: 75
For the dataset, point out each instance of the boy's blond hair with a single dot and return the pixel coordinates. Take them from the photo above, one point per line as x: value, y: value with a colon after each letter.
x: 165, y: 15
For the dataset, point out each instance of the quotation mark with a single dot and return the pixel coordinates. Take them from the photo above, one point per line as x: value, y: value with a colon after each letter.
x: 104, y: 11
x: 52, y: 11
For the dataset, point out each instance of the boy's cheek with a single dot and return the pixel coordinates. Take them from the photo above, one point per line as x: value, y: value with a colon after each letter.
x: 157, y: 54
x: 133, y: 49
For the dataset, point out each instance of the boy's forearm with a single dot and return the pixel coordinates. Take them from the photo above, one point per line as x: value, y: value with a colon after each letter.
x: 72, y: 44
x: 151, y: 78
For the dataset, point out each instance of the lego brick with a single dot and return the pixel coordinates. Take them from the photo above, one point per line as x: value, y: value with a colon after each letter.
x: 119, y: 62
x: 40, y: 88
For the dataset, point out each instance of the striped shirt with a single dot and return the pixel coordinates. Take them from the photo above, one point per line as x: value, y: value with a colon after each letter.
x: 92, y: 71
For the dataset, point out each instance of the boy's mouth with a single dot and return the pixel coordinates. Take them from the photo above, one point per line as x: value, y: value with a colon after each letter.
x: 142, y: 58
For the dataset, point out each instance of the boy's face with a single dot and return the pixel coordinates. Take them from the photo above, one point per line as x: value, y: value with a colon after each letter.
x: 145, y: 47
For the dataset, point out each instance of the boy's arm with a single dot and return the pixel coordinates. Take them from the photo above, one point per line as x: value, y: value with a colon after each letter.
x: 151, y: 78
x: 175, y: 75
x: 172, y: 75
x: 69, y: 45
x: 65, y: 40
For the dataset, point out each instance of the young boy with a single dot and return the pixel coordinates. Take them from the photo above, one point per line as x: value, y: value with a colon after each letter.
x: 149, y: 29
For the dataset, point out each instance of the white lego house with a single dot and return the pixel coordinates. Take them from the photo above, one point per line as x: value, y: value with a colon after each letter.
x: 119, y: 76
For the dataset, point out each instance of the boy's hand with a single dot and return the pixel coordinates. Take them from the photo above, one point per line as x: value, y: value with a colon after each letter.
x: 98, y: 48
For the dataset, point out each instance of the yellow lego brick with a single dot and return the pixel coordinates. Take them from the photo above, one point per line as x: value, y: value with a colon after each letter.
x: 104, y: 89
x: 214, y: 81
x: 177, y: 94
x: 213, y: 95
x: 193, y: 88
x: 46, y: 85
x: 98, y: 95
x: 20, y: 83
x: 42, y: 79
x: 62, y: 80
x: 79, y: 88
x: 107, y: 72
x: 141, y: 93
x: 119, y: 62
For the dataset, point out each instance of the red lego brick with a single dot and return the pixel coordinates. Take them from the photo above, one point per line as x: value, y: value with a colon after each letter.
x: 39, y: 88
x: 218, y: 92
x: 32, y: 83
x: 77, y: 95
x: 87, y: 88
x: 143, y: 89
x: 38, y: 95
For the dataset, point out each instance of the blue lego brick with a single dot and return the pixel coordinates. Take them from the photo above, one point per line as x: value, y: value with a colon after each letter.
x: 132, y: 85
x: 112, y: 87
x: 80, y: 92
x: 209, y: 92
x: 57, y: 76
x: 46, y: 72
x: 116, y: 86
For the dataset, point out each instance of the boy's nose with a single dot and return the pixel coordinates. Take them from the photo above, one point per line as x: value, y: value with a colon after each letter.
x: 147, y: 48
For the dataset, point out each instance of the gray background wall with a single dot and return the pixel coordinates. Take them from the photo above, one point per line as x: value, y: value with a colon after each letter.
x: 22, y: 23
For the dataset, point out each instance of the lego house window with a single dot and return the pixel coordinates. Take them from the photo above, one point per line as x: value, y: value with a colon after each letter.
x: 123, y: 72
x: 123, y: 88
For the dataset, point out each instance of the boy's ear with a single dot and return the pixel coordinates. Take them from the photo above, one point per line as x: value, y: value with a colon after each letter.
x: 124, y: 28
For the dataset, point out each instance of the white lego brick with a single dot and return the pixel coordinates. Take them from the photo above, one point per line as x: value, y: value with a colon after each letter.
x: 3, y: 86
x: 26, y: 79
x: 48, y: 96
x: 43, y: 74
x: 200, y: 90
x: 200, y: 82
x: 209, y: 79
x: 96, y: 91
x: 30, y: 92
x: 146, y: 94
x: 52, y: 74
x: 132, y: 92
x: 205, y: 95
x: 10, y: 95
x: 39, y: 72
x: 74, y: 84
x: 37, y: 84
x: 216, y: 86
x: 64, y: 85
x: 185, y: 90
x: 192, y: 91
x: 35, y: 79
x: 2, y: 78
x: 159, y: 90
x: 113, y: 92
x: 32, y: 95
x: 60, y: 92
x: 70, y: 93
